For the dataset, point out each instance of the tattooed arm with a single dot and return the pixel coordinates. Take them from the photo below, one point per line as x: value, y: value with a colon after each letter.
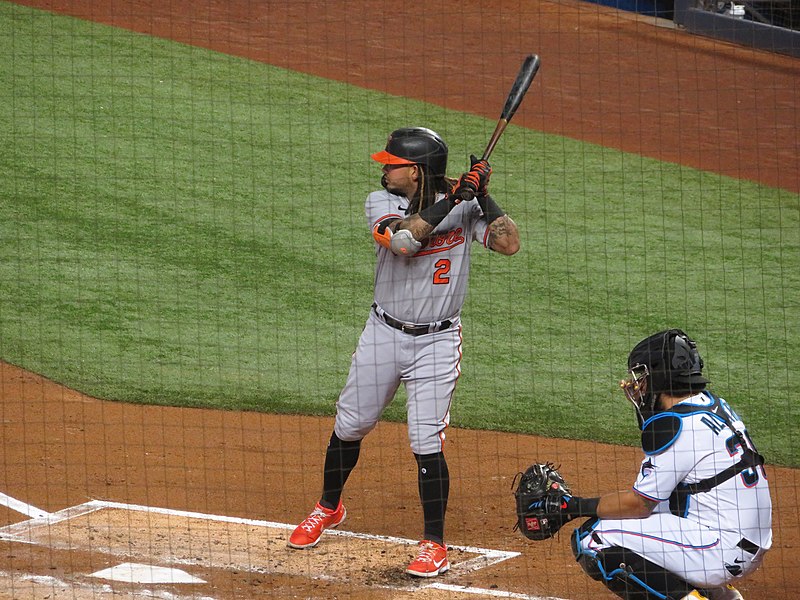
x: 503, y: 236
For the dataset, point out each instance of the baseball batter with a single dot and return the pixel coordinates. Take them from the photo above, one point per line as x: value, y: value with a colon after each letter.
x: 423, y: 224
x: 699, y: 515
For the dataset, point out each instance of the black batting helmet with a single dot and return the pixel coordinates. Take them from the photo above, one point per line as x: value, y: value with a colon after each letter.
x: 415, y: 146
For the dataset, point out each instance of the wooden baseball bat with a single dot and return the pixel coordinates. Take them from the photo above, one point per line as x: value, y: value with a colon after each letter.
x: 527, y: 72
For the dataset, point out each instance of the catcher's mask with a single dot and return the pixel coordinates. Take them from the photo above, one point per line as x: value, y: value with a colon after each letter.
x: 666, y: 362
x: 426, y: 149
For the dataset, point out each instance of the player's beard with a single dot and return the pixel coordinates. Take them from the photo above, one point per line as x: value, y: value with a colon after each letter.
x: 389, y: 188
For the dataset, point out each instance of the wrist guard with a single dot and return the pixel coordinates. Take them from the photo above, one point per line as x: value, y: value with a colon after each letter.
x: 582, y: 507
x: 491, y: 211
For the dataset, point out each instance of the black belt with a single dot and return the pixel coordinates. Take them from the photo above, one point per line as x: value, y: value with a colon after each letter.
x: 412, y: 329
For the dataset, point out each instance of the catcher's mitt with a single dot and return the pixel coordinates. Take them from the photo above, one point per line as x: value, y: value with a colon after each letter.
x: 541, y: 496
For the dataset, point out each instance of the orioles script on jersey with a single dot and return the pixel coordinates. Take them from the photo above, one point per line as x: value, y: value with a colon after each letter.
x: 442, y: 242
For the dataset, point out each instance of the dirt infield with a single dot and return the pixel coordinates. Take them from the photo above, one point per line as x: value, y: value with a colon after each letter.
x: 213, y: 494
x: 241, y: 477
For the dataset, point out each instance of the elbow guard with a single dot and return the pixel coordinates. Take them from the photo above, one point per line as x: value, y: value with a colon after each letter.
x: 403, y: 243
x: 382, y: 234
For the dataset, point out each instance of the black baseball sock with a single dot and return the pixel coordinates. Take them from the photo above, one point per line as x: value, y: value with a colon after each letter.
x: 434, y: 489
x: 340, y: 459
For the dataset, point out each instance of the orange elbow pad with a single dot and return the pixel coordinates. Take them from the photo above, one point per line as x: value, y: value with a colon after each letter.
x: 382, y: 233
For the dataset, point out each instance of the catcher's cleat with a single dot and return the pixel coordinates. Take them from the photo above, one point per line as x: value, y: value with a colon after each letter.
x: 694, y: 595
x: 724, y: 593
x: 431, y: 560
x: 307, y: 534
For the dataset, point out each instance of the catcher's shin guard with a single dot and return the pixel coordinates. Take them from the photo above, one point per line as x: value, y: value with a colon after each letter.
x: 586, y: 560
x: 625, y: 573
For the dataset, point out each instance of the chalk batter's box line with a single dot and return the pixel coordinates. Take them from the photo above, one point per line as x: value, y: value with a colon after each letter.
x: 16, y: 531
x: 486, y: 557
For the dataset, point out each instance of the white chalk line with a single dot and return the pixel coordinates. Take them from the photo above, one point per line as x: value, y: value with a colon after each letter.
x: 21, y: 507
x: 98, y: 588
x: 486, y: 556
x: 485, y: 592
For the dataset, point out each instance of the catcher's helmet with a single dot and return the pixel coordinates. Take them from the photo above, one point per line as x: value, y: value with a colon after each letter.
x: 415, y: 146
x: 666, y: 362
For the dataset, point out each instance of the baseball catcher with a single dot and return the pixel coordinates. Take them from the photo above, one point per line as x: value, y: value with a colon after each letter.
x: 699, y: 515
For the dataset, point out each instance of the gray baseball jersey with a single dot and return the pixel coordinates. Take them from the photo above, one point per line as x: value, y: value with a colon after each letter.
x: 431, y: 285
x: 424, y: 289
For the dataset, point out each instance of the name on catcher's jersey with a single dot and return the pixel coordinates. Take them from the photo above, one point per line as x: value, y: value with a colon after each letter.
x: 702, y: 447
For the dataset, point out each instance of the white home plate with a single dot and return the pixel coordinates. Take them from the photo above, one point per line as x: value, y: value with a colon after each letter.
x: 136, y: 573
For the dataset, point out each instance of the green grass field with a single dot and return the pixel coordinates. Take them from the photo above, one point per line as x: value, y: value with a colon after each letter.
x: 184, y: 227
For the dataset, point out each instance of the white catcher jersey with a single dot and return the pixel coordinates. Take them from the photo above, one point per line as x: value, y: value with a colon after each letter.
x: 709, y: 538
x: 431, y: 285
x: 704, y: 447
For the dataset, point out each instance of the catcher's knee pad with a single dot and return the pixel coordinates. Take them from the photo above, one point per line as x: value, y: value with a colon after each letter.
x: 587, y: 560
x: 627, y: 574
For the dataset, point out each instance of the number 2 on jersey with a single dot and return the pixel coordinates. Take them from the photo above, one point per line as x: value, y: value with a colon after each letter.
x: 441, y: 274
